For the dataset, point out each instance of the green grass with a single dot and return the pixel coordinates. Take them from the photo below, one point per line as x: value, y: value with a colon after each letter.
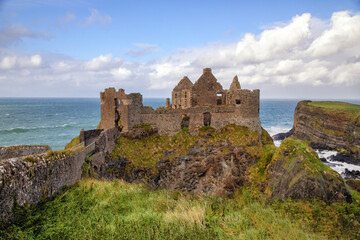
x: 75, y: 141
x: 95, y: 209
x: 352, y: 111
x: 342, y: 106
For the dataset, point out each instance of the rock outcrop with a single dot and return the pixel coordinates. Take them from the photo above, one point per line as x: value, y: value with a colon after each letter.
x: 329, y: 125
x: 209, y: 161
x: 297, y: 172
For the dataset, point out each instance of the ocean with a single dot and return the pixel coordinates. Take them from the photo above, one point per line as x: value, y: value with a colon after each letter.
x: 55, y: 121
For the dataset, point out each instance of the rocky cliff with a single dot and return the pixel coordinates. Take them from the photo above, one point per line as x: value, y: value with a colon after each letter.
x: 296, y: 171
x: 328, y: 125
x: 218, y: 162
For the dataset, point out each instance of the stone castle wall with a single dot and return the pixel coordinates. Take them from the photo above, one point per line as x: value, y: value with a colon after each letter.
x: 22, y: 150
x: 25, y: 183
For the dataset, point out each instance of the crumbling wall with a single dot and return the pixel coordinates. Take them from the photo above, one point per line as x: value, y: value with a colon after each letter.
x: 89, y: 136
x: 169, y: 122
x: 24, y: 181
x: 110, y: 99
x: 205, y: 89
x: 22, y: 150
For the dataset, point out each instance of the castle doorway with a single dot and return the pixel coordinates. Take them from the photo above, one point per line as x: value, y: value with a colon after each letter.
x: 185, y: 122
x: 207, y: 119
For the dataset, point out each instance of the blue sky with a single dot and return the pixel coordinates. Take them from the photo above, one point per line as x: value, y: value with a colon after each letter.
x: 287, y: 49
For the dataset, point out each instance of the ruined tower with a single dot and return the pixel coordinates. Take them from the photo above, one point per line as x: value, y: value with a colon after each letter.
x: 181, y: 94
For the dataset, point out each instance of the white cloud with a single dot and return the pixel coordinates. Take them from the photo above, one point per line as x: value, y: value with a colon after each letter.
x: 344, y: 32
x: 121, y: 73
x: 98, y: 62
x: 8, y: 62
x: 96, y: 17
x: 305, y: 54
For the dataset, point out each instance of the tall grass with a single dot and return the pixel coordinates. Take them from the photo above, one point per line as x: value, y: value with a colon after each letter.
x: 96, y: 209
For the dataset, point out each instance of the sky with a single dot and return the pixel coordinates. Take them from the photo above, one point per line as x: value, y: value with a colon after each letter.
x: 287, y: 49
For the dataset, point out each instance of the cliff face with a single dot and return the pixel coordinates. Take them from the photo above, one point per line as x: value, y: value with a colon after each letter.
x: 329, y: 125
x: 296, y: 171
x: 211, y: 161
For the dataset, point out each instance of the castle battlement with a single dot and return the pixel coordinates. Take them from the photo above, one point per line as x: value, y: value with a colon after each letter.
x: 204, y: 103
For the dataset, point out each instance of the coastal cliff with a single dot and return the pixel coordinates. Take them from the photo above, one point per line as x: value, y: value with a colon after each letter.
x: 219, y: 162
x: 329, y: 125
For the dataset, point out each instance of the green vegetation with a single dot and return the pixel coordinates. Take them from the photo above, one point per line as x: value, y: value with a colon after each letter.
x: 351, y: 111
x: 292, y: 148
x: 333, y: 105
x: 75, y: 141
x: 147, y: 152
x: 95, y: 209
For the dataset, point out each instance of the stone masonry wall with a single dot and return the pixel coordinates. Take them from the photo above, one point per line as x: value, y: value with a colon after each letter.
x: 88, y: 136
x: 25, y: 182
x: 169, y: 122
x: 22, y: 150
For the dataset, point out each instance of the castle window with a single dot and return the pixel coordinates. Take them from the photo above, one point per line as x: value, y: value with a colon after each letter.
x: 238, y: 101
x: 185, y: 94
x: 175, y: 95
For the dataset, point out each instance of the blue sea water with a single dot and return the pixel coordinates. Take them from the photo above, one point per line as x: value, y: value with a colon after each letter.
x: 55, y: 121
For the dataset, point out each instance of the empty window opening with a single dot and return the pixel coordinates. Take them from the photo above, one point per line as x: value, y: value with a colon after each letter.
x: 238, y: 101
x: 207, y: 119
x: 219, y: 101
x: 175, y: 95
x: 219, y: 94
x: 185, y: 122
x: 185, y: 94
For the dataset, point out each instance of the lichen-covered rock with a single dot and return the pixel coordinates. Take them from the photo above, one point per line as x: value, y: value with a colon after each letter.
x: 354, y: 184
x: 22, y: 150
x: 297, y: 172
x: 329, y: 125
x: 210, y: 161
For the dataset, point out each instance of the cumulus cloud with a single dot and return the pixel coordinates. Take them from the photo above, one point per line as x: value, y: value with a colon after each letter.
x: 15, y: 33
x: 96, y: 17
x: 10, y: 62
x: 306, y: 55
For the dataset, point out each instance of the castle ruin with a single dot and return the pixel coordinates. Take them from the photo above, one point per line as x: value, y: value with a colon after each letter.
x: 204, y: 103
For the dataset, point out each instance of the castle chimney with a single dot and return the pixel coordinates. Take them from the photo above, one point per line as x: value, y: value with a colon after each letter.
x: 206, y: 70
x: 167, y: 104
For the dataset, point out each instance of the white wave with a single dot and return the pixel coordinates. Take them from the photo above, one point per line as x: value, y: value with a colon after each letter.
x: 335, y: 165
x: 277, y: 129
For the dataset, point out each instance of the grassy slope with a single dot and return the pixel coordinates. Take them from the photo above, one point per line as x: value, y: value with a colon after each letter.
x: 116, y: 210
x: 352, y: 110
